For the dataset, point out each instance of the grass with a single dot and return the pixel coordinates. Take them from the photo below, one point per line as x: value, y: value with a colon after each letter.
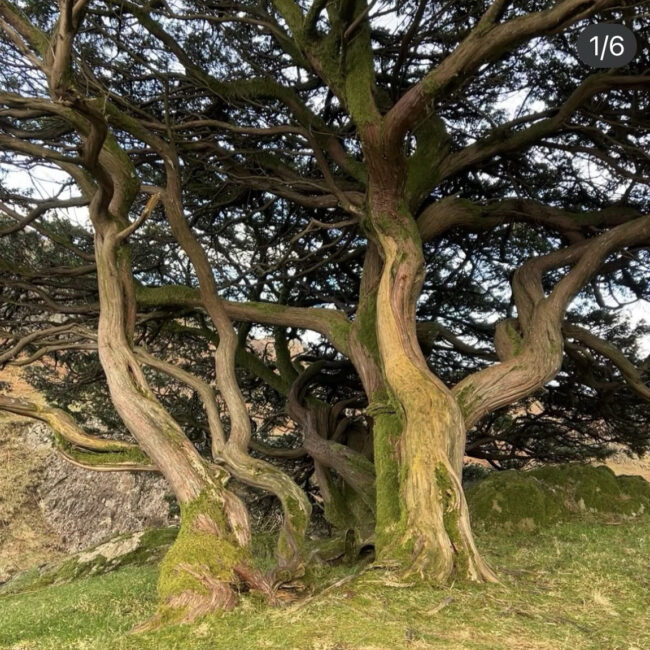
x: 574, y: 585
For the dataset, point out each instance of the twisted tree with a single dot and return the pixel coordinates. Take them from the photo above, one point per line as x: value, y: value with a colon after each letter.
x: 441, y: 192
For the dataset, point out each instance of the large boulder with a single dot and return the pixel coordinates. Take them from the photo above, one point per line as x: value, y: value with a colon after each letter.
x: 49, y: 507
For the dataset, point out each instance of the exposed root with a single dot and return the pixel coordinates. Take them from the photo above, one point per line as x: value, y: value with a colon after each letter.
x: 257, y: 581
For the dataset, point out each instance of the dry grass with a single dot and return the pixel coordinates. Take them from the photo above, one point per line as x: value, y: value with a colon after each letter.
x: 623, y: 464
x: 18, y: 387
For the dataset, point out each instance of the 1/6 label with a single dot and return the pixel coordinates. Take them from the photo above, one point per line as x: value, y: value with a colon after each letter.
x: 606, y: 45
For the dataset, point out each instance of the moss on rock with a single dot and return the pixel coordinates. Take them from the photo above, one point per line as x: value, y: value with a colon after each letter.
x: 514, y: 500
x: 129, y: 549
x: 534, y: 499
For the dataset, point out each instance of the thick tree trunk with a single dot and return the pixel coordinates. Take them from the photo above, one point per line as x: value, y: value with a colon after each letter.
x: 422, y: 519
x: 432, y: 535
x: 211, y: 554
x: 295, y: 505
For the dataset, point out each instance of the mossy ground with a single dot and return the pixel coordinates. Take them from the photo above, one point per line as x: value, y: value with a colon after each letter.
x: 149, y: 548
x: 577, y: 585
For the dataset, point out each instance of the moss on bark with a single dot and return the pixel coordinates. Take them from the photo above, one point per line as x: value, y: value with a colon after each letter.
x: 388, y: 424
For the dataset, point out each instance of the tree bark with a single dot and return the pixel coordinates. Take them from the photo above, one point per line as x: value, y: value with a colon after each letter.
x: 212, y: 552
x: 234, y: 451
x: 352, y: 503
x: 424, y: 525
x: 200, y: 571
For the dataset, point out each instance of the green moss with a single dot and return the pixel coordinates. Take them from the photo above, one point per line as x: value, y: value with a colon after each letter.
x: 593, y: 489
x: 290, y: 11
x: 466, y: 399
x: 114, y: 455
x: 201, y: 551
x: 513, y: 500
x: 339, y: 329
x: 515, y: 338
x: 637, y: 488
x: 167, y: 296
x: 149, y: 550
x: 335, y: 508
x: 388, y: 424
x: 327, y: 51
x: 534, y: 499
x: 366, y: 324
x: 360, y: 77
x: 432, y: 141
x: 296, y: 511
x: 292, y: 535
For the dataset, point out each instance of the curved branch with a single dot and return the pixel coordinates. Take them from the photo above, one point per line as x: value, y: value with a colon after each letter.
x: 331, y: 323
x: 453, y: 212
x: 536, y: 350
x: 252, y: 471
x: 63, y: 425
x: 628, y: 370
x: 486, y: 42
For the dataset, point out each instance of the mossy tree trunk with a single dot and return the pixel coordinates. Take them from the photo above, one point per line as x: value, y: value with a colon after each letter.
x: 234, y: 451
x: 422, y: 519
x: 192, y: 581
x: 211, y: 555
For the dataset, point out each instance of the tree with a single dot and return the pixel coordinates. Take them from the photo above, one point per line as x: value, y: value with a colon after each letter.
x: 333, y: 167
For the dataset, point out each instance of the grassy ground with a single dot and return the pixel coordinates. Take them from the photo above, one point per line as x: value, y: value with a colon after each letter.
x: 576, y: 585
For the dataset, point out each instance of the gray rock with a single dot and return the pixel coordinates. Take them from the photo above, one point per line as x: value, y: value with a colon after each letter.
x: 85, y: 507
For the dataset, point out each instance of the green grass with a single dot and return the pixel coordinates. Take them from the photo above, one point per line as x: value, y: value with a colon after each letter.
x: 575, y: 585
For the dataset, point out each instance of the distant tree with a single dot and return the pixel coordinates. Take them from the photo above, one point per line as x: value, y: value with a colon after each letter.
x: 440, y: 191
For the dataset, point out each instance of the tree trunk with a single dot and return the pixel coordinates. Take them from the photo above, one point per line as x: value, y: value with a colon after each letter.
x: 211, y: 554
x: 422, y: 519
x: 295, y: 505
x: 350, y: 503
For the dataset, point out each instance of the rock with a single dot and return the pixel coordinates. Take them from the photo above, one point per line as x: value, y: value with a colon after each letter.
x: 530, y: 500
x: 131, y: 549
x: 86, y: 507
x: 49, y: 506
